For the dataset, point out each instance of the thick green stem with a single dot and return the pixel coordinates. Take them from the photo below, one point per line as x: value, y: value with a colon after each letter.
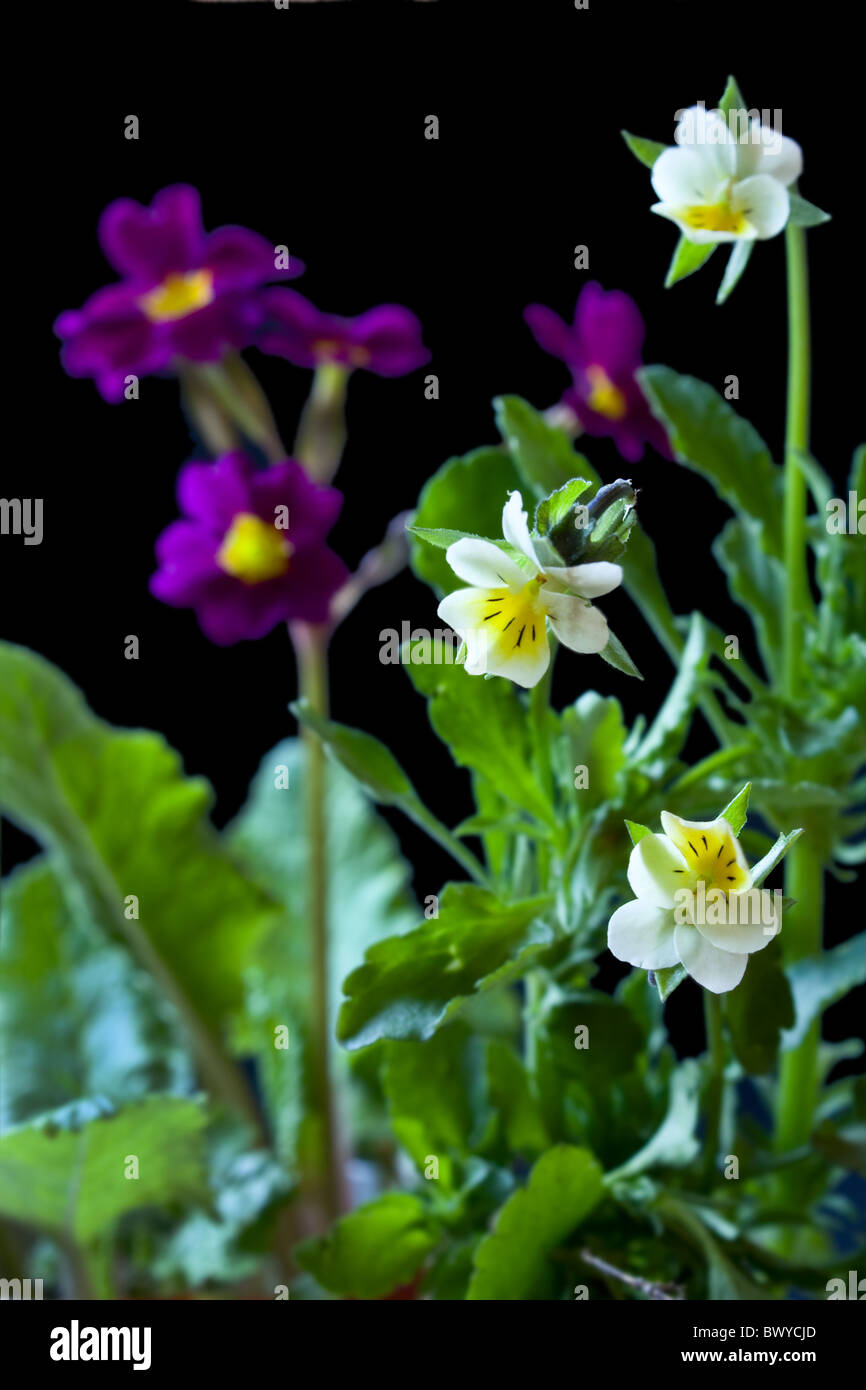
x: 716, y: 1083
x: 311, y: 646
x: 798, y: 1082
x: 797, y: 599
x: 804, y: 870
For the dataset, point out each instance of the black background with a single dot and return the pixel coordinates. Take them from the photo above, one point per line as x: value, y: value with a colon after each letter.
x: 308, y: 126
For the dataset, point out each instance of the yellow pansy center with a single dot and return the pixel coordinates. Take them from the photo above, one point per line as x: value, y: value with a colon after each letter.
x: 716, y: 217
x: 178, y: 295
x: 329, y: 350
x: 253, y: 551
x: 712, y: 855
x: 514, y: 620
x: 605, y: 398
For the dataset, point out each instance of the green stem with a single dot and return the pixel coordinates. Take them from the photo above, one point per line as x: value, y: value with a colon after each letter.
x: 798, y: 1081
x: 716, y: 1083
x: 797, y: 599
x: 321, y: 436
x: 311, y: 646
x: 238, y: 392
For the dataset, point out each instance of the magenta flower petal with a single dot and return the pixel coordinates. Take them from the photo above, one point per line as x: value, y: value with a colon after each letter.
x: 385, y: 340
x: 602, y: 348
x: 251, y: 550
x: 146, y: 244
x: 243, y: 260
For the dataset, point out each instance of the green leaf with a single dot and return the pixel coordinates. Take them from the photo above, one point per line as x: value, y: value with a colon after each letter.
x: 513, y: 1100
x: 774, y: 856
x: 553, y: 510
x: 512, y: 1263
x: 119, y: 819
x: 731, y: 99
x: 613, y: 1040
x: 674, y: 1144
x: 758, y: 1010
x: 73, y: 1183
x: 636, y: 831
x: 485, y: 727
x: 804, y: 213
x: 79, y: 1018
x: 688, y: 257
x: 757, y: 582
x: 736, y: 812
x: 374, y: 1250
x: 737, y: 262
x: 436, y: 1097
x: 615, y: 654
x: 365, y: 757
x: 667, y: 980
x: 543, y: 455
x: 410, y: 985
x: 818, y: 981
x: 593, y: 736
x: 710, y: 437
x: 667, y: 733
x: 647, y: 151
x: 468, y: 494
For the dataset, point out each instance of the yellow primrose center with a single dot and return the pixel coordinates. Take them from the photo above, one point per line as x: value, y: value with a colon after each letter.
x: 515, y: 621
x: 718, y: 217
x: 711, y: 855
x: 178, y: 295
x: 605, y: 398
x: 253, y: 550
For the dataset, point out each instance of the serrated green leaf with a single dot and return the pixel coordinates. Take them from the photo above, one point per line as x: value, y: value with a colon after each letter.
x: 710, y: 437
x: 465, y: 496
x: 647, y: 151
x: 542, y: 454
x: 513, y: 1261
x: 410, y: 985
x: 374, y: 1250
x: 553, y: 510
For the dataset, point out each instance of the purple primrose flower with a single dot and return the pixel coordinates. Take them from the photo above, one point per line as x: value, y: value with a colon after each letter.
x: 251, y: 551
x: 602, y: 348
x: 185, y: 293
x: 385, y: 340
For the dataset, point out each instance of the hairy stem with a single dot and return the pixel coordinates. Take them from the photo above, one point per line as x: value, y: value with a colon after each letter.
x: 716, y: 1083
x: 798, y: 1081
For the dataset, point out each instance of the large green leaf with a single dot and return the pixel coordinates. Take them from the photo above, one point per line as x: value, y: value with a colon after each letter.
x: 674, y: 1144
x: 466, y: 495
x: 485, y: 727
x: 667, y: 733
x: 543, y: 454
x: 758, y: 1010
x: 409, y: 985
x: 119, y: 818
x: 73, y: 1183
x: 592, y: 736
x: 757, y: 581
x: 374, y: 1250
x: 710, y: 437
x: 78, y: 1018
x: 513, y: 1262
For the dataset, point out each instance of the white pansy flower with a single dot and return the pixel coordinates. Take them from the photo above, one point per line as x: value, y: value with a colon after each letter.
x: 720, y: 188
x: 661, y: 927
x: 503, y: 617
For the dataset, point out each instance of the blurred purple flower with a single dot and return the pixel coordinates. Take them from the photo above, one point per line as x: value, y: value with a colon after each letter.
x: 251, y: 551
x: 185, y: 293
x: 385, y: 340
x: 602, y: 348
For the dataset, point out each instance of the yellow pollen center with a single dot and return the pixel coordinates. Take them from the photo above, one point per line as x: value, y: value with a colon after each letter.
x: 178, y: 295
x: 515, y: 620
x: 712, y: 856
x: 605, y: 398
x: 253, y: 550
x: 719, y: 217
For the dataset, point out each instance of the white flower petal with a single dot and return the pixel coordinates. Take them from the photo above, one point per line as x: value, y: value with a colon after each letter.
x: 656, y: 870
x: 686, y: 176
x: 515, y: 528
x: 576, y: 623
x: 643, y: 935
x: 767, y: 151
x: 764, y: 202
x: 482, y: 563
x: 709, y: 135
x: 590, y: 581
x: 718, y: 971
x: 742, y: 937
